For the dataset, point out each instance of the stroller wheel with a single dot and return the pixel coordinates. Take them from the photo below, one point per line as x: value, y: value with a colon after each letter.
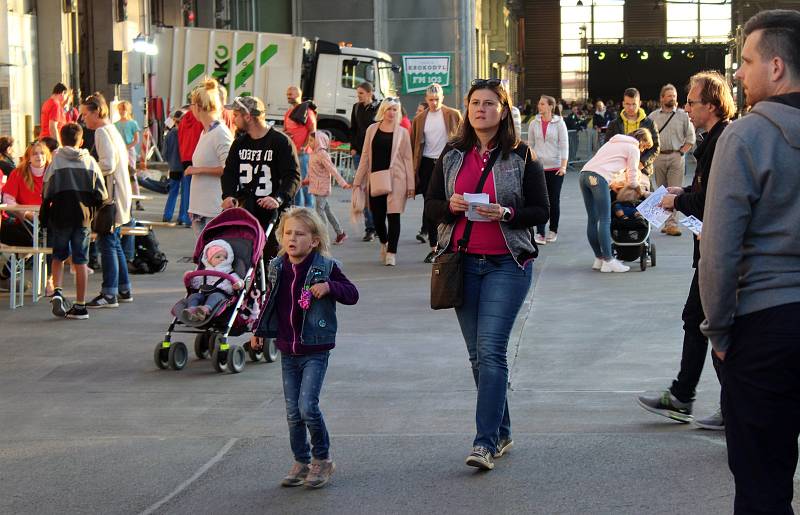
x: 236, y: 359
x: 178, y: 355
x: 161, y: 356
x: 219, y: 359
x: 643, y: 258
x: 271, y: 354
x: 254, y: 355
x: 652, y: 254
x: 201, y: 349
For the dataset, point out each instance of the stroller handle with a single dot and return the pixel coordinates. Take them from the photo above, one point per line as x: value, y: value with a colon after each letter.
x: 188, y: 276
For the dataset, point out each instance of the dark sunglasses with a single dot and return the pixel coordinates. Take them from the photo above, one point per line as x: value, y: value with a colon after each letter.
x: 482, y: 83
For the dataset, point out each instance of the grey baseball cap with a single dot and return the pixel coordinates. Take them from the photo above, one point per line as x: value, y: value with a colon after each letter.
x: 250, y: 105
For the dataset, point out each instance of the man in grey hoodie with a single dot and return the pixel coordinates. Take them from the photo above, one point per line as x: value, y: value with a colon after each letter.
x: 73, y: 189
x: 750, y: 267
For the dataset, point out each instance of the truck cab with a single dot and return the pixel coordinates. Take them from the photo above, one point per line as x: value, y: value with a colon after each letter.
x: 332, y: 76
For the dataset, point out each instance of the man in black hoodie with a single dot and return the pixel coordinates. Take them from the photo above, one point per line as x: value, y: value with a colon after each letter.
x: 710, y: 106
x: 362, y: 116
x: 750, y: 267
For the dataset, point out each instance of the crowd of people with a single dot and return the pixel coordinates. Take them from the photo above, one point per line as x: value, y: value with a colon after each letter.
x: 744, y: 296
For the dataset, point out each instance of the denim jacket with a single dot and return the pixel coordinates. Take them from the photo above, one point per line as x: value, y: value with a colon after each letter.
x: 319, y: 321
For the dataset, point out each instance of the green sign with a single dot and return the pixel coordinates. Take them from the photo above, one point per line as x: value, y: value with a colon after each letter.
x: 422, y: 70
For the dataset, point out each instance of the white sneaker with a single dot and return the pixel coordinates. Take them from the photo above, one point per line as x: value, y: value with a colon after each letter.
x: 390, y: 259
x: 598, y: 263
x: 551, y: 237
x: 539, y: 239
x: 614, y: 266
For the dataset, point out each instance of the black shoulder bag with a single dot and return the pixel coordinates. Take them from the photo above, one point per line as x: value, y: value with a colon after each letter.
x: 104, y: 218
x: 447, y: 274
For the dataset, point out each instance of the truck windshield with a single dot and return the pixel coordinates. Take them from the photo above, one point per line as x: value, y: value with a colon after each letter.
x: 388, y: 82
x: 354, y: 72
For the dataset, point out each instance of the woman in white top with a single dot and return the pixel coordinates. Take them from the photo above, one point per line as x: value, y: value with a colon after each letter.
x: 208, y: 160
x: 620, y: 153
x: 549, y: 141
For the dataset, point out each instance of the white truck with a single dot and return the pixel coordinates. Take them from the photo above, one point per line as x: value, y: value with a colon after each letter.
x: 264, y: 65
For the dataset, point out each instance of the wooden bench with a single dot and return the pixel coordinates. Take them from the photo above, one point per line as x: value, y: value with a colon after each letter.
x: 156, y: 224
x: 17, y: 278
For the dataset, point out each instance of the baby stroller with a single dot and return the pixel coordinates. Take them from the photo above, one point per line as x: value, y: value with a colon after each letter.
x: 232, y: 317
x: 630, y: 240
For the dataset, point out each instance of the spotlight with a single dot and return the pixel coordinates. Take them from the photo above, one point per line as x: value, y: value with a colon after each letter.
x: 623, y: 55
x: 644, y: 55
x: 690, y: 55
x: 601, y: 56
x: 667, y: 55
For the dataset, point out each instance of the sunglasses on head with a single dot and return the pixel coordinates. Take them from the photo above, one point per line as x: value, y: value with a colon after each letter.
x: 391, y: 99
x: 482, y: 83
x: 238, y: 102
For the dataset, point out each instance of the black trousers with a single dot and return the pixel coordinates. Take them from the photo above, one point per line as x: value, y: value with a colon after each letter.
x: 761, y: 401
x: 378, y: 207
x: 554, y: 183
x: 695, y: 347
x: 429, y: 226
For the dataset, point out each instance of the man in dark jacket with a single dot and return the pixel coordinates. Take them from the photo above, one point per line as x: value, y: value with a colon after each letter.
x: 631, y: 118
x: 362, y: 116
x: 750, y: 267
x: 710, y: 106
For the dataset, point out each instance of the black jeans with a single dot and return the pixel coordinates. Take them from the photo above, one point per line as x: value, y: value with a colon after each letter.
x: 761, y: 401
x: 429, y: 226
x: 378, y: 207
x: 554, y: 183
x: 695, y: 347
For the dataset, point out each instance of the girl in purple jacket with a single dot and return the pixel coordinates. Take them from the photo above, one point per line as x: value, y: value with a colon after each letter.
x: 304, y: 285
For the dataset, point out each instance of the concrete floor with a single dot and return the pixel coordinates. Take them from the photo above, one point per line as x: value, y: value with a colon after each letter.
x: 89, y: 425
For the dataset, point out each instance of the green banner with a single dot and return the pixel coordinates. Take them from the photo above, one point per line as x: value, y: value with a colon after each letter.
x: 422, y: 70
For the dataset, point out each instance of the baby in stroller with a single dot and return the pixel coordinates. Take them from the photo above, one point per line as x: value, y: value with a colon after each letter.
x: 624, y: 207
x: 211, y: 290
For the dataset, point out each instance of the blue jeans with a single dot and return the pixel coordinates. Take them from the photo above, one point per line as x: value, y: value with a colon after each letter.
x: 210, y: 300
x: 303, y: 198
x: 597, y: 199
x: 115, y: 268
x: 302, y: 383
x: 178, y: 186
x: 369, y: 222
x: 494, y: 290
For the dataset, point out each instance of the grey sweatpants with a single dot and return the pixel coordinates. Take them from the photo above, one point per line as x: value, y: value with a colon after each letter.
x: 325, y: 212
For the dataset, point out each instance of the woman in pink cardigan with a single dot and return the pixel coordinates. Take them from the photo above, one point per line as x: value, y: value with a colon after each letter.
x: 387, y: 147
x: 320, y: 171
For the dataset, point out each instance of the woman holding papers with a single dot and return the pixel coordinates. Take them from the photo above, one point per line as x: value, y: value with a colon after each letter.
x: 487, y: 157
x: 620, y: 153
x: 386, y: 173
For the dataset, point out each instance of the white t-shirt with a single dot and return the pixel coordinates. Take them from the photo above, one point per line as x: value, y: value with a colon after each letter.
x: 205, y: 195
x: 435, y: 134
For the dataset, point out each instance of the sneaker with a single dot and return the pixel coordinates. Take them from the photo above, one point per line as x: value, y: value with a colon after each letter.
x: 421, y: 237
x: 598, y: 264
x: 59, y: 305
x: 539, y: 239
x: 481, y: 458
x: 613, y: 266
x: 551, y: 237
x: 78, y: 312
x: 503, y: 446
x: 340, y: 239
x: 296, y: 476
x: 368, y: 236
x: 668, y: 406
x: 429, y: 257
x: 715, y: 422
x: 391, y: 259
x: 103, y: 301
x: 319, y: 473
x: 125, y: 296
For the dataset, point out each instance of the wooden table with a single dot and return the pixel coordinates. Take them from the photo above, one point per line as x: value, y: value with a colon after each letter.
x: 39, y: 264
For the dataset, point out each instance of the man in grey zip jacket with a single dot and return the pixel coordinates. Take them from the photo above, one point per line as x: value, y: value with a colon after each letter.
x: 750, y: 267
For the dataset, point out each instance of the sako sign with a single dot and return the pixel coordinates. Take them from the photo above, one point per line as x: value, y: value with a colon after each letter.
x: 422, y: 70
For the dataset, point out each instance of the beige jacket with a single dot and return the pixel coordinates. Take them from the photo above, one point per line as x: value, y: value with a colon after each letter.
x: 401, y: 167
x: 452, y: 122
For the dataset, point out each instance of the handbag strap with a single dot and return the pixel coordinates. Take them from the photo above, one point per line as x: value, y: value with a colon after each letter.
x: 464, y: 240
x: 667, y: 122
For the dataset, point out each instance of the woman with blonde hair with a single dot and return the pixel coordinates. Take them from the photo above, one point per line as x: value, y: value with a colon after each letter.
x: 386, y: 174
x: 208, y: 160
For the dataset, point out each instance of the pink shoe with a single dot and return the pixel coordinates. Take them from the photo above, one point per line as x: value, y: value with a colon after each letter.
x: 340, y: 239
